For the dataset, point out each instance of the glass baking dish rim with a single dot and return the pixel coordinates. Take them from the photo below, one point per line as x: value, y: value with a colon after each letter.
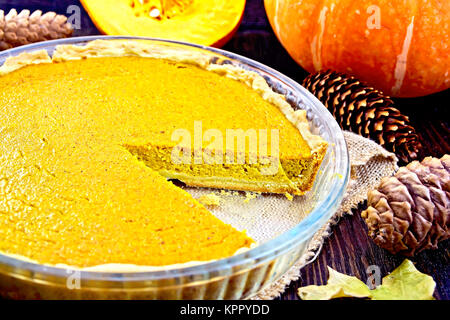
x: 255, y: 256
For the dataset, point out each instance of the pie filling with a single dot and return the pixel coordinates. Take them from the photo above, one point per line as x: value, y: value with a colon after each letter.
x: 77, y: 186
x: 272, y: 175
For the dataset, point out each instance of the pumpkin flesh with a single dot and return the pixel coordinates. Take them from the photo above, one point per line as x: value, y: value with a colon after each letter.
x: 204, y: 22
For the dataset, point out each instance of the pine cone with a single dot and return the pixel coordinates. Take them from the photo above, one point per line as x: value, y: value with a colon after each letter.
x: 365, y: 111
x: 23, y: 28
x: 410, y: 211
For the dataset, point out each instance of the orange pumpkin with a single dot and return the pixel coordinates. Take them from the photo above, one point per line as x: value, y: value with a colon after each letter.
x: 205, y: 22
x: 401, y: 47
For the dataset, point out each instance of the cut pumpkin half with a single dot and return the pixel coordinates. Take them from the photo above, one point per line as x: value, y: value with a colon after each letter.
x: 204, y: 22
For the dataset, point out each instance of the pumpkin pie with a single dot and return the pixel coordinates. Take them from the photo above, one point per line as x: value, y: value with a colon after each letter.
x: 91, y: 135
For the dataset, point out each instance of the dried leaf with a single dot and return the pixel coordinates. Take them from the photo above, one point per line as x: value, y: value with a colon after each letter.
x: 339, y: 286
x: 404, y: 283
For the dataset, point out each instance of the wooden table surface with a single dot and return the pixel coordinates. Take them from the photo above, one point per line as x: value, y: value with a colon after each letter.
x: 348, y: 250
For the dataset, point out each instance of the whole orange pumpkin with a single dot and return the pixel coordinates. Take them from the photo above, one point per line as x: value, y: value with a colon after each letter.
x: 401, y: 47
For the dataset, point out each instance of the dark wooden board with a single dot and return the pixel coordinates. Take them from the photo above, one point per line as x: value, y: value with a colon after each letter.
x: 348, y: 250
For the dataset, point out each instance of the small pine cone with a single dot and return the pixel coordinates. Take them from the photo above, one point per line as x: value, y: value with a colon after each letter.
x: 23, y: 28
x: 365, y: 111
x: 410, y: 211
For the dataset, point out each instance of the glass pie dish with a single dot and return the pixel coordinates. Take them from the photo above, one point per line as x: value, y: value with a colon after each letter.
x: 238, y: 277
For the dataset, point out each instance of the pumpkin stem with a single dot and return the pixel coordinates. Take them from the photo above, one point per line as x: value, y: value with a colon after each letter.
x: 159, y: 9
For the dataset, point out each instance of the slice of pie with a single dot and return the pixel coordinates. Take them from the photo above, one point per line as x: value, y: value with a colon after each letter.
x: 90, y: 136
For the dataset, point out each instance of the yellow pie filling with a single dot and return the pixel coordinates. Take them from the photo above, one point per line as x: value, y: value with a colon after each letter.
x: 86, y: 149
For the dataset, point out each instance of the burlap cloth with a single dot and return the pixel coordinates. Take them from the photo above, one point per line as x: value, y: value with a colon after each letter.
x: 369, y: 163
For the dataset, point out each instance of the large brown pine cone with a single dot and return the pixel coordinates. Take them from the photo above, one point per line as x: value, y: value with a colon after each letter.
x: 23, y: 28
x: 410, y: 211
x: 366, y: 111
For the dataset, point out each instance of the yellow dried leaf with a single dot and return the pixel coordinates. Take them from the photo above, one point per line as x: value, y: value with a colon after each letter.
x: 339, y: 286
x: 404, y: 283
